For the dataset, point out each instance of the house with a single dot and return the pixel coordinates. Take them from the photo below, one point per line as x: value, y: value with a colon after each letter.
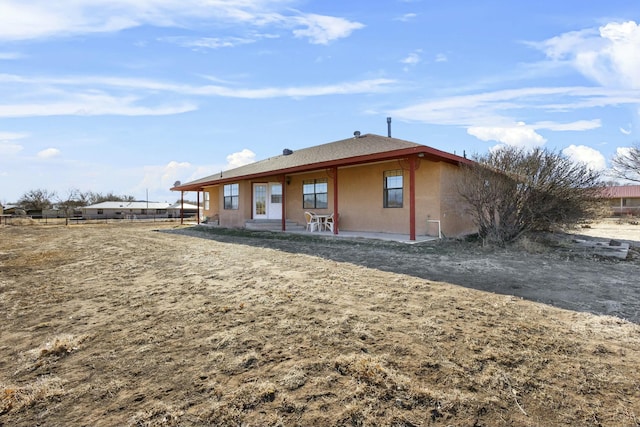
x: 624, y: 199
x: 126, y: 210
x: 184, y: 210
x: 371, y: 183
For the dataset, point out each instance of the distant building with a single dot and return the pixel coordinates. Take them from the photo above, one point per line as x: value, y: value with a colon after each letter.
x: 138, y: 210
x: 624, y: 199
x: 126, y: 210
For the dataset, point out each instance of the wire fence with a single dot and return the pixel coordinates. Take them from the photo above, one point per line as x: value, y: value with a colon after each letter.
x: 27, y: 220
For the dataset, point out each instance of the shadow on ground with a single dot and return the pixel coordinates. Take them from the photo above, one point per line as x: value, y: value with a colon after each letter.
x: 556, y: 273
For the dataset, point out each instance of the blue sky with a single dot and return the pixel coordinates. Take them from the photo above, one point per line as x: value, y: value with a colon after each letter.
x: 130, y: 96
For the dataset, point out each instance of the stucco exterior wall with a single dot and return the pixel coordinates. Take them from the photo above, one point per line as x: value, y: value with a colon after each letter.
x: 236, y: 217
x: 454, y: 220
x: 293, y: 196
x: 360, y: 200
x: 214, y: 202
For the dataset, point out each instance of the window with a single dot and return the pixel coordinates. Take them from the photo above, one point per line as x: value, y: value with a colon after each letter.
x: 231, y: 192
x: 276, y: 193
x: 100, y: 211
x: 206, y: 200
x: 143, y: 211
x: 161, y: 211
x: 314, y: 194
x: 624, y: 202
x: 392, y: 192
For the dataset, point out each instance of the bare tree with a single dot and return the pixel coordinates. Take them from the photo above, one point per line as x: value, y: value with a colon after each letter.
x: 626, y: 164
x: 511, y: 191
x: 36, y: 200
x: 74, y: 200
x: 93, y: 198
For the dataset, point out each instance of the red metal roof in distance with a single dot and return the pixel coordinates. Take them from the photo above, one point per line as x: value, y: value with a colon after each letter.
x: 623, y: 191
x: 352, y: 151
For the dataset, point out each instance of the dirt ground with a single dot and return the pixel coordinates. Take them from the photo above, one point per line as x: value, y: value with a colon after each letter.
x: 154, y: 324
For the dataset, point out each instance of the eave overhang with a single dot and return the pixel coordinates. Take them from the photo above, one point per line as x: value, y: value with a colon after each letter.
x: 422, y: 151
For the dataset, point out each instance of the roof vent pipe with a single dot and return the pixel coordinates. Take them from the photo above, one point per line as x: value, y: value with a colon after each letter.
x: 356, y: 134
x: 389, y: 127
x: 287, y: 152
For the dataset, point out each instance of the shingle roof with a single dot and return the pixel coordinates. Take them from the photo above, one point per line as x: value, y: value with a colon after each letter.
x: 623, y: 191
x: 368, y: 147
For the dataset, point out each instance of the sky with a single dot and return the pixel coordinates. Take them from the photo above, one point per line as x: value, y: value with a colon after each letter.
x: 130, y: 96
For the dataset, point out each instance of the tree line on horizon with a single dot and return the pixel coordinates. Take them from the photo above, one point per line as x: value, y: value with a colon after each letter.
x: 41, y: 199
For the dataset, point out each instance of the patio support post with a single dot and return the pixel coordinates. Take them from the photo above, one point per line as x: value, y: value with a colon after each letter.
x: 412, y: 198
x: 198, y: 206
x: 283, y: 178
x: 182, y: 207
x: 336, y: 215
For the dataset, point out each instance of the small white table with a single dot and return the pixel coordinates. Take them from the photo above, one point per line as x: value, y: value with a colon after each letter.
x: 322, y: 222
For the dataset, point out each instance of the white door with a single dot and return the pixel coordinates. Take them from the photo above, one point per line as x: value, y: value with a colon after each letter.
x: 267, y: 201
x: 260, y: 201
x: 274, y: 207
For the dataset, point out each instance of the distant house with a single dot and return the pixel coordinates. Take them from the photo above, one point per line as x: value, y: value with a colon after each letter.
x: 189, y: 210
x: 126, y: 210
x: 624, y: 199
x: 369, y: 182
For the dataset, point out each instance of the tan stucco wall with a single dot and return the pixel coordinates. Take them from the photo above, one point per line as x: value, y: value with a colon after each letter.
x: 214, y: 202
x: 454, y: 220
x: 293, y: 196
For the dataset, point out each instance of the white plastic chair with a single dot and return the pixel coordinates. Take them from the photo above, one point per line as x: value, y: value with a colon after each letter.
x: 312, y: 221
x: 328, y: 223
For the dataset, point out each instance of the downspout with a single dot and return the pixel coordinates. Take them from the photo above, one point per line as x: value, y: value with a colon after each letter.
x: 284, y: 200
x: 412, y: 198
x: 336, y: 215
x: 198, y: 207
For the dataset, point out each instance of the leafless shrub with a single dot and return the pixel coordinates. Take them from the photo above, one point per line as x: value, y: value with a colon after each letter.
x: 511, y: 191
x: 626, y: 164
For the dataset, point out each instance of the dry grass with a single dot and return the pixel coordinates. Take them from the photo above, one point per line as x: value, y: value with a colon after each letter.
x: 40, y: 391
x: 151, y: 329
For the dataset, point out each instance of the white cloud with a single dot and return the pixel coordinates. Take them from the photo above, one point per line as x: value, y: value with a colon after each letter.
x: 91, y: 104
x: 8, y: 148
x: 412, y: 59
x: 441, y: 57
x: 406, y: 17
x: 580, y: 125
x: 505, y: 108
x: 9, y: 136
x: 324, y: 29
x: 586, y: 155
x: 208, y: 42
x: 48, y: 153
x: 24, y: 19
x: 521, y: 136
x: 625, y: 131
x: 610, y: 56
x: 240, y: 158
x: 158, y: 179
x: 57, y: 99
x: 7, y: 56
